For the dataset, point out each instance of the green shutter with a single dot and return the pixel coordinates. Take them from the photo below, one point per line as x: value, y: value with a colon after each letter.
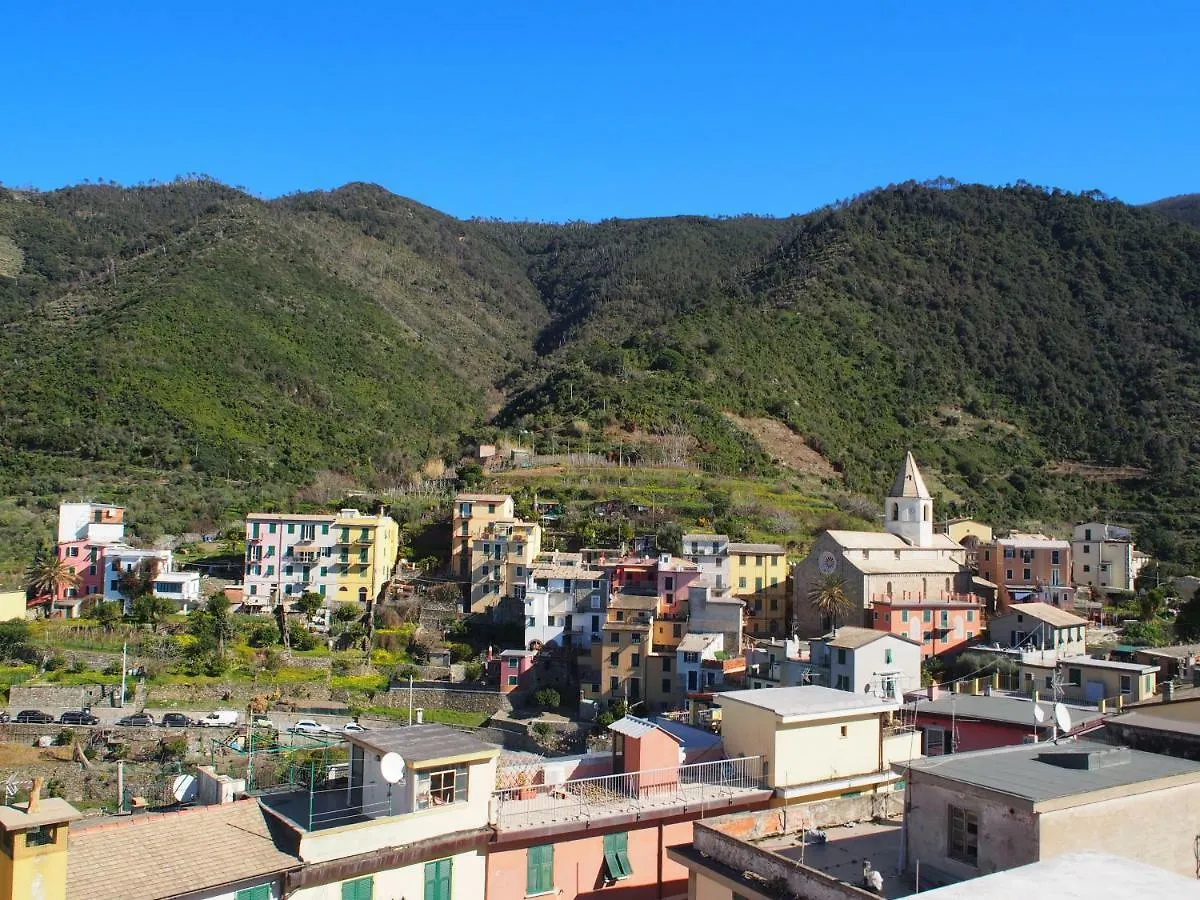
x: 539, y: 869
x: 616, y: 856
x: 259, y: 892
x: 358, y: 889
x: 437, y: 880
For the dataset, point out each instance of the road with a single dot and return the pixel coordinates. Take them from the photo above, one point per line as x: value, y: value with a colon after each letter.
x: 109, y: 716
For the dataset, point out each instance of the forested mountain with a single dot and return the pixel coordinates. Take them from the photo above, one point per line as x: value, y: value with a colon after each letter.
x: 237, y: 350
x: 1183, y: 208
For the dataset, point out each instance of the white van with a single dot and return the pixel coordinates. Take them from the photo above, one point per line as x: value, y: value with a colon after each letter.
x: 221, y: 717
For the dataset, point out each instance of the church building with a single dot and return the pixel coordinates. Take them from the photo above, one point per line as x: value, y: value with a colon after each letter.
x: 907, y: 579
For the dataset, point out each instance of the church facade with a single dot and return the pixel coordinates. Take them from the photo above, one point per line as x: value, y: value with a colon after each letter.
x: 906, y: 567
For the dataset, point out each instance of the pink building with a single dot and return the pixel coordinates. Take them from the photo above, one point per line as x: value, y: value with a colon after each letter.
x: 957, y: 723
x: 516, y: 670
x: 84, y: 530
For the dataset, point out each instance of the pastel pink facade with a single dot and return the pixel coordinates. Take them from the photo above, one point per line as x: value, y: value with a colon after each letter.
x: 941, y: 626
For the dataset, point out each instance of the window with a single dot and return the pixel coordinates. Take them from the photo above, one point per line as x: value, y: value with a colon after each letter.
x: 1074, y: 677
x: 1025, y: 575
x: 512, y: 680
x: 614, y: 637
x: 666, y: 685
x: 114, y: 585
x: 1087, y: 535
x: 40, y: 837
x: 1054, y: 557
x: 1008, y: 574
x: 741, y: 582
x: 938, y: 741
x: 259, y: 892
x: 758, y: 584
x: 1087, y: 568
x: 845, y: 731
x: 774, y: 604
x: 325, y: 529
x: 614, y: 683
x: 758, y: 560
x: 272, y: 527
x: 666, y: 665
x: 439, y: 787
x: 254, y: 530
x: 904, y: 615
x: 841, y: 656
x: 614, y: 659
x: 927, y: 616
x: 530, y: 622
x: 437, y: 879
x: 691, y: 657
x: 616, y: 856
x: 358, y: 889
x: 677, y: 630
x: 964, y: 836
x: 1126, y: 684
x: 539, y: 869
x: 291, y: 528
x: 636, y: 637
x: 970, y: 615
x: 843, y: 683
x: 887, y: 656
x: 636, y: 660
x: 1087, y: 549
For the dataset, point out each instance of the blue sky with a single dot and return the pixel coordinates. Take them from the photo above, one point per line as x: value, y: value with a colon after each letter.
x: 573, y: 110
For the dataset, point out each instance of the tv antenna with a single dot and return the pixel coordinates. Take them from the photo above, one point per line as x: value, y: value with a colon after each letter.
x: 184, y: 788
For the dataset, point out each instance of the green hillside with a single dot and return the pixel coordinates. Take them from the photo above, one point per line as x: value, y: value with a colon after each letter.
x: 191, y: 350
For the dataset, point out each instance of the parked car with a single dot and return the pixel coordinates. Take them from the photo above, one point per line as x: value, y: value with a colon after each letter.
x: 308, y: 726
x: 175, y: 720
x: 352, y: 728
x: 142, y: 718
x: 264, y: 722
x: 219, y: 718
x: 34, y: 717
x: 77, y: 717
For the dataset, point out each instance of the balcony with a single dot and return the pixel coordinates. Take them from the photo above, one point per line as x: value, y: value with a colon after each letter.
x: 646, y: 792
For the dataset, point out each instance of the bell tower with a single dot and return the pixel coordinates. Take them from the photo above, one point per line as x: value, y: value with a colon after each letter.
x: 908, y: 512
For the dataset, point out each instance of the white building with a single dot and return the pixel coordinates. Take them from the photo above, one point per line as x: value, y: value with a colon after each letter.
x: 1104, y: 555
x: 869, y: 661
x: 182, y: 588
x: 693, y: 650
x: 564, y: 601
x: 711, y: 553
x: 120, y: 559
x: 96, y: 523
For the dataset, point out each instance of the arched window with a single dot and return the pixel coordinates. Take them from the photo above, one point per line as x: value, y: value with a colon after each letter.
x: 895, y: 512
x: 362, y: 595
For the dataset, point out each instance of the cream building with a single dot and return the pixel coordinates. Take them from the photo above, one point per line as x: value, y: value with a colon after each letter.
x: 472, y: 515
x: 907, y: 561
x: 817, y: 742
x: 1103, y: 555
x: 501, y: 557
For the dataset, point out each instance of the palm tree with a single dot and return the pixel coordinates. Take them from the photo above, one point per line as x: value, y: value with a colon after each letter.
x: 48, y: 575
x: 828, y: 597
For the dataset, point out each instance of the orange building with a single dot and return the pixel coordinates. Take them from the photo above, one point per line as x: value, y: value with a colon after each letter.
x: 576, y: 838
x: 940, y: 626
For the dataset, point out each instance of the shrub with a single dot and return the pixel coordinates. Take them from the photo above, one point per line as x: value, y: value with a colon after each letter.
x: 547, y: 698
x: 542, y: 729
x: 262, y: 634
x: 301, y: 638
x: 173, y: 747
x: 113, y: 668
x: 459, y: 652
x: 77, y: 665
x: 64, y: 738
x: 473, y: 671
x: 56, y: 662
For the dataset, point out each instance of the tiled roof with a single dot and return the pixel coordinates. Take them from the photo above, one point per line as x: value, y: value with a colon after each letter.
x: 1044, y: 612
x: 850, y: 637
x: 905, y: 566
x: 165, y: 855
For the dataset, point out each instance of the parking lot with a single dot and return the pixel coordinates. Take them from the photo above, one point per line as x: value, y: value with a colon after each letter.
x: 109, y: 717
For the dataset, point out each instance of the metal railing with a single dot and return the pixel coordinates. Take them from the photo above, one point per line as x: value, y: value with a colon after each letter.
x: 520, y: 805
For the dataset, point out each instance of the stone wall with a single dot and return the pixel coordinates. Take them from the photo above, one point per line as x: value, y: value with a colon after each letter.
x: 432, y: 695
x: 52, y: 696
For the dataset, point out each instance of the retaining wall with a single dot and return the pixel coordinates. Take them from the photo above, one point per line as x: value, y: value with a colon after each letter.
x: 442, y: 696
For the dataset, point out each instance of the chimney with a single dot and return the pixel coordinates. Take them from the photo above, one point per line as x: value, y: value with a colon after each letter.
x: 932, y: 692
x: 35, y: 795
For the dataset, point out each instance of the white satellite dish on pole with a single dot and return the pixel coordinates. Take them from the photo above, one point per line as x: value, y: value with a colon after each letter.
x: 1039, y: 714
x: 184, y: 788
x: 1062, y: 718
x: 391, y: 768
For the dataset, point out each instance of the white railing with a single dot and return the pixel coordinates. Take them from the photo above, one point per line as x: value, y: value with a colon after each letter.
x: 517, y: 804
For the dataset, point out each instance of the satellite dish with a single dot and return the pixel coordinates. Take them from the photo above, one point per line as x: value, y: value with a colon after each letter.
x: 391, y: 767
x: 1039, y: 714
x: 184, y: 788
x: 1062, y: 718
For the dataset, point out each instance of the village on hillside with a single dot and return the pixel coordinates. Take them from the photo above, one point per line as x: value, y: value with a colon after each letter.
x: 930, y: 707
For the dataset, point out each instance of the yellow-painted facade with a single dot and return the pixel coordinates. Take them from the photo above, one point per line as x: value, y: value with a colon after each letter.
x: 758, y: 574
x: 472, y: 514
x: 33, y: 851
x: 365, y: 549
x: 12, y: 605
x: 501, y: 557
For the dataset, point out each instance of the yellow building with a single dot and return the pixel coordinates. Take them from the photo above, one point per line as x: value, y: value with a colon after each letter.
x: 12, y: 605
x: 758, y: 575
x: 501, y: 557
x: 960, y: 529
x: 33, y: 848
x: 472, y: 514
x: 365, y: 549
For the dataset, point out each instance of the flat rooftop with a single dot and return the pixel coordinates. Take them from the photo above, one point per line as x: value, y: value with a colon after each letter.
x: 420, y: 743
x: 1072, y: 876
x: 845, y: 848
x: 807, y: 701
x: 1000, y: 708
x: 1040, y: 772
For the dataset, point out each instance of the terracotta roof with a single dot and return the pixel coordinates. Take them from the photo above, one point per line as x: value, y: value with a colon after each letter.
x: 1044, y: 612
x: 909, y: 482
x: 180, y: 853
